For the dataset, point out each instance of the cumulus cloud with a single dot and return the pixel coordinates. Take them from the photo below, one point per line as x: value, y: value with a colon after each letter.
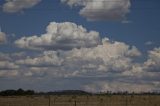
x: 13, y: 6
x: 115, y: 56
x: 148, y: 68
x: 153, y: 61
x: 8, y: 68
x: 86, y: 58
x: 101, y: 9
x: 135, y: 70
x: 4, y: 57
x: 8, y: 73
x: 36, y: 72
x: 86, y: 55
x: 48, y: 58
x: 2, y: 37
x: 65, y: 35
x: 115, y: 86
x: 110, y: 56
x: 7, y: 65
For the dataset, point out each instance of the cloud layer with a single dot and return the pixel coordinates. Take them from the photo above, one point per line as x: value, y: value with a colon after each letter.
x: 48, y: 58
x: 115, y: 86
x: 101, y: 9
x: 13, y: 6
x: 65, y: 35
x: 97, y: 64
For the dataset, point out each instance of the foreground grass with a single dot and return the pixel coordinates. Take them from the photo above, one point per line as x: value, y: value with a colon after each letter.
x: 83, y: 100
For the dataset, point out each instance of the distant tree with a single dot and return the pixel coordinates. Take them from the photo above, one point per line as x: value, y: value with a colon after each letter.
x: 29, y: 92
x: 20, y: 92
x: 7, y: 92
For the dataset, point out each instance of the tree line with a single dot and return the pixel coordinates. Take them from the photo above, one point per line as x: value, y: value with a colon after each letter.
x: 21, y: 92
x: 17, y: 92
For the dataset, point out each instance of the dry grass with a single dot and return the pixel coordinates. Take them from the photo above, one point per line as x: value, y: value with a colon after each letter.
x: 112, y: 100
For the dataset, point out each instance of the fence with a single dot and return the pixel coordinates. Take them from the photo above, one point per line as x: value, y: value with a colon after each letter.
x: 114, y: 100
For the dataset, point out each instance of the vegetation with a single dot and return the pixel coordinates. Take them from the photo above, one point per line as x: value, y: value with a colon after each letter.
x: 21, y: 92
x: 22, y: 97
x: 81, y: 100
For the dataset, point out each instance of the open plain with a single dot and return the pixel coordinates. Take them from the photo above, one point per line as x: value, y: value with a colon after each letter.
x: 81, y: 100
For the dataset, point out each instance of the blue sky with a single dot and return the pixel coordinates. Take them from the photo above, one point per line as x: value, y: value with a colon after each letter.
x: 139, y: 28
x: 144, y: 24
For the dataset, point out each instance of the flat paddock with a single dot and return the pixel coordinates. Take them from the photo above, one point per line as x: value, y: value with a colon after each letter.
x: 72, y: 100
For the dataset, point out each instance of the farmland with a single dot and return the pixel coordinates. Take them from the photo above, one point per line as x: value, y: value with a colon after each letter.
x: 81, y: 100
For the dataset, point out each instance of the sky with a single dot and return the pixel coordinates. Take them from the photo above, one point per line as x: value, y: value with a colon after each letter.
x: 91, y: 45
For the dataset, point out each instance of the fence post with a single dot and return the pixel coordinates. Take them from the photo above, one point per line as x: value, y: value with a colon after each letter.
x: 49, y: 102
x: 126, y: 101
x: 75, y: 103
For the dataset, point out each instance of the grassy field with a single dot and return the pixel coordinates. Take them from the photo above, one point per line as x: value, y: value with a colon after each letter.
x: 107, y: 100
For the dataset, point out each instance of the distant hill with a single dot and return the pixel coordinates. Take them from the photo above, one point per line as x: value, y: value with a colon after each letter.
x: 69, y: 92
x: 21, y: 92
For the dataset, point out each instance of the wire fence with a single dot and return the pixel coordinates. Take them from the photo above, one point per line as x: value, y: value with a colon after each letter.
x: 81, y: 101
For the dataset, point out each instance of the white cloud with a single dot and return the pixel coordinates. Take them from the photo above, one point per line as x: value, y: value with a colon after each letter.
x: 110, y: 60
x: 148, y: 68
x: 7, y: 65
x: 153, y: 62
x: 110, y: 56
x: 90, y: 56
x: 115, y: 86
x: 134, y: 52
x: 12, y: 6
x: 8, y: 73
x: 48, y: 58
x: 36, y: 72
x: 4, y: 56
x: 2, y: 37
x: 8, y: 69
x: 87, y: 58
x: 101, y: 9
x: 115, y: 56
x: 65, y: 35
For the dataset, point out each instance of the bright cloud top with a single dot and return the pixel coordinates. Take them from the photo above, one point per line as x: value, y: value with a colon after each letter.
x: 101, y: 9
x: 65, y: 35
x: 13, y: 6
